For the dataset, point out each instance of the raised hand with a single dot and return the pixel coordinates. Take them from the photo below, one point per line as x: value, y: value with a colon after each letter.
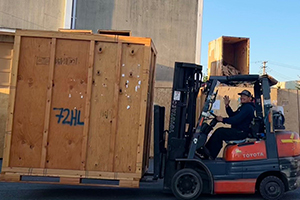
x: 226, y: 100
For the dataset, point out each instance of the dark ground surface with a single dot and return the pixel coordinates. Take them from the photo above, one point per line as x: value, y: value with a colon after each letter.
x: 147, y: 191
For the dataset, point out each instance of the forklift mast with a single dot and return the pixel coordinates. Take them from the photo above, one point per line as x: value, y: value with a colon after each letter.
x: 186, y: 85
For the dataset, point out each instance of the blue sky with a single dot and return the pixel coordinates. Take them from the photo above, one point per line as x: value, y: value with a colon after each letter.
x: 273, y: 27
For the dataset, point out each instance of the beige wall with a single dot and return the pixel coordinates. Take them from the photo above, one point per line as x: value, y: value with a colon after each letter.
x: 175, y: 26
x: 32, y: 14
x: 288, y: 85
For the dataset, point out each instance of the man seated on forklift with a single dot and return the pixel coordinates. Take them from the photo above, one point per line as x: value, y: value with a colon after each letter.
x: 240, y: 121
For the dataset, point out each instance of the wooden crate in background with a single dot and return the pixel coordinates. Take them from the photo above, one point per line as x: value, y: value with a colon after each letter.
x: 80, y: 107
x: 226, y: 53
x: 6, y: 55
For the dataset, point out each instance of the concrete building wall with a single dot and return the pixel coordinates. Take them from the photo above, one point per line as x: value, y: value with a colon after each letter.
x: 33, y: 14
x: 288, y: 85
x: 174, y: 25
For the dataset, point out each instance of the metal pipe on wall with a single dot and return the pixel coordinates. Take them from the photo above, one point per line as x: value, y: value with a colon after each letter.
x: 298, y: 110
x: 68, y: 14
x: 73, y: 21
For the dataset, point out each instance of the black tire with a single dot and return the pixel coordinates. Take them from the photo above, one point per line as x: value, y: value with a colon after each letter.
x: 187, y: 184
x: 271, y: 188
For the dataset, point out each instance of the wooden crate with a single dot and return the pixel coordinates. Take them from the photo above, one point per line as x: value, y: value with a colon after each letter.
x: 80, y: 107
x: 224, y: 51
x: 6, y: 54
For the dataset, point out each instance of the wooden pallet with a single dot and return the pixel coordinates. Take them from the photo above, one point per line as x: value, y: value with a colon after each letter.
x: 17, y: 177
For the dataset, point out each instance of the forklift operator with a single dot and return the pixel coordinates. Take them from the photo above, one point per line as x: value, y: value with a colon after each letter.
x: 240, y: 123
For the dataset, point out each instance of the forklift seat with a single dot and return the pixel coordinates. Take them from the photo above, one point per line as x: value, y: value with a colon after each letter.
x: 257, y: 128
x: 235, y: 141
x: 246, y: 140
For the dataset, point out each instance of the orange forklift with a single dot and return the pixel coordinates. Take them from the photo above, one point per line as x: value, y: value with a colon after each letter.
x: 268, y: 162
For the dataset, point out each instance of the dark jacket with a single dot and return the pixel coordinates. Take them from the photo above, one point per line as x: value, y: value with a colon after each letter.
x: 241, y: 118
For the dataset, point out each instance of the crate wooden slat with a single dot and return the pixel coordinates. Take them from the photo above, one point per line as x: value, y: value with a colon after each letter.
x: 6, y: 55
x: 87, y: 106
x: 48, y: 103
x: 81, y: 107
x: 75, y: 31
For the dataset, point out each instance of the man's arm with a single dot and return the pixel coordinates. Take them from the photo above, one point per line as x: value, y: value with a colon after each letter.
x: 229, y: 111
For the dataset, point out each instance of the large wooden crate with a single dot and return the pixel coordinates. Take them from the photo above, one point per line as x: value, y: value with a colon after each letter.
x: 6, y: 54
x: 227, y: 52
x: 80, y: 107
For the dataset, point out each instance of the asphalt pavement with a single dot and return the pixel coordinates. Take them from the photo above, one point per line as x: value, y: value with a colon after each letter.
x: 147, y: 191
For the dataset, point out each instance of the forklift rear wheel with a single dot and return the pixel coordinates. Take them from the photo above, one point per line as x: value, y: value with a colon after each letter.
x: 187, y: 184
x: 271, y: 188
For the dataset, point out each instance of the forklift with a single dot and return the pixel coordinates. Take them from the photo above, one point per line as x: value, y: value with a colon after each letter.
x: 268, y: 162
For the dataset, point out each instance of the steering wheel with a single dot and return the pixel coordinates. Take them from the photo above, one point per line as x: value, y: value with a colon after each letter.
x: 214, y: 120
x: 210, y: 112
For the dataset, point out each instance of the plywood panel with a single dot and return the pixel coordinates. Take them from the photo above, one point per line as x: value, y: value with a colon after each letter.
x: 5, y: 65
x: 288, y: 100
x: 242, y: 56
x: 274, y: 96
x: 102, y: 104
x: 6, y: 50
x: 4, y: 78
x: 129, y: 108
x: 30, y: 103
x: 228, y: 54
x: 236, y: 54
x: 162, y: 97
x: 215, y: 55
x: 68, y: 104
